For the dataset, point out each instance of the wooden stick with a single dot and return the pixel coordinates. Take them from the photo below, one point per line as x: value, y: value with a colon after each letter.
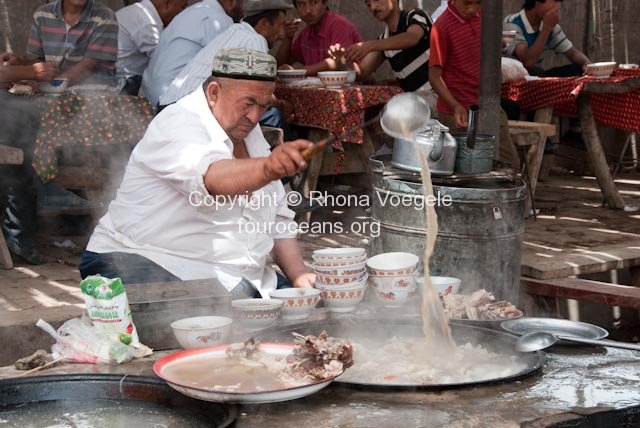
x: 42, y: 367
x: 309, y: 152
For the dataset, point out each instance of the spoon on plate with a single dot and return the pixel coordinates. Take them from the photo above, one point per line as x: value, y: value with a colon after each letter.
x: 538, y: 340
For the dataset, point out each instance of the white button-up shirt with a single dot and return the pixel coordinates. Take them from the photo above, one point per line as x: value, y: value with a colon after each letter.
x: 191, y: 30
x: 163, y: 211
x: 240, y: 35
x: 139, y: 31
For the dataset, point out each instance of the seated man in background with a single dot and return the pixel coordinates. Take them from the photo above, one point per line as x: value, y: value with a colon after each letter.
x: 537, y: 30
x: 404, y: 43
x: 311, y: 47
x: 140, y: 25
x: 190, y: 31
x: 78, y: 36
x: 21, y: 120
x: 201, y: 196
x: 259, y: 30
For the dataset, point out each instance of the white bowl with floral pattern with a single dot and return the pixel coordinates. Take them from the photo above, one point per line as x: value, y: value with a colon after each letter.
x: 197, y: 332
x: 397, y: 263
x: 343, y: 300
x: 298, y: 303
x: 256, y: 314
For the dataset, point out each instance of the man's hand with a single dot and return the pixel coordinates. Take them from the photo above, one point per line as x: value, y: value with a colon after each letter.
x: 286, y: 160
x: 552, y: 18
x: 461, y: 116
x: 45, y: 71
x: 291, y: 27
x: 305, y: 280
x: 357, y: 51
x: 337, y: 53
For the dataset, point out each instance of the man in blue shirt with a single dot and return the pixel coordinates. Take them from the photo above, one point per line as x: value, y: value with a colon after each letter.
x: 537, y: 30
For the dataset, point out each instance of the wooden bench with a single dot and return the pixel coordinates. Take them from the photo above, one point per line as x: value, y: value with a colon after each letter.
x: 531, y: 137
x: 8, y: 156
x: 585, y: 290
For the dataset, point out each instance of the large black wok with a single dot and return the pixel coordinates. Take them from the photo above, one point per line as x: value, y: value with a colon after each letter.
x: 356, y: 328
x: 105, y: 401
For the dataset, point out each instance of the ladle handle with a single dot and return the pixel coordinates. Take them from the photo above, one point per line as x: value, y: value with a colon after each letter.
x: 309, y: 152
x: 602, y: 342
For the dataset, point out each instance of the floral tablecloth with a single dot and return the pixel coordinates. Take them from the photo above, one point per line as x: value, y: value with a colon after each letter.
x: 337, y: 110
x: 89, y: 120
x: 621, y: 111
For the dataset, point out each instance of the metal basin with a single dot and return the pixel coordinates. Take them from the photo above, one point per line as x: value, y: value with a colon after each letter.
x: 353, y: 329
x: 105, y: 401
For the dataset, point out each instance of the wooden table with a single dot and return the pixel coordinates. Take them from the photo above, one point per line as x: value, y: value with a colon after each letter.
x: 86, y: 120
x: 612, y: 102
x: 333, y: 112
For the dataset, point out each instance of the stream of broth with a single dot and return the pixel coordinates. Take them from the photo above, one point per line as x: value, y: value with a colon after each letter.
x: 434, y: 321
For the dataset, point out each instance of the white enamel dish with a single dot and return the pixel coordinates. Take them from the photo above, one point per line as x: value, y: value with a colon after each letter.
x: 196, y: 356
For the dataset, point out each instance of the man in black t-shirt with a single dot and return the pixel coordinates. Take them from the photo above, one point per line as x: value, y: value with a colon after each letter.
x: 404, y: 43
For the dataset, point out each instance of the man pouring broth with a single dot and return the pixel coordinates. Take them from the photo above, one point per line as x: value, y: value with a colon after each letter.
x: 208, y: 143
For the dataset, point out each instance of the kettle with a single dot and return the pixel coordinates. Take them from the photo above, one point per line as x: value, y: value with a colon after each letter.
x: 438, y: 145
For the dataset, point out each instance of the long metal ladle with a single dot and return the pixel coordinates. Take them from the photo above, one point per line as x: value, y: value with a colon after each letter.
x: 538, y: 340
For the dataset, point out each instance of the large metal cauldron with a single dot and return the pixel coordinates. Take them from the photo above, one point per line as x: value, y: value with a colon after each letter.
x: 380, y: 330
x: 105, y: 401
x: 480, y: 227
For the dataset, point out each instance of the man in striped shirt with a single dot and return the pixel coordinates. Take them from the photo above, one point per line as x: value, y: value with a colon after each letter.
x: 80, y: 37
x: 537, y: 30
x: 404, y: 43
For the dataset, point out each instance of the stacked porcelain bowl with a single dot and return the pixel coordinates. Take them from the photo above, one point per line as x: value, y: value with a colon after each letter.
x: 341, y: 274
x: 393, y: 277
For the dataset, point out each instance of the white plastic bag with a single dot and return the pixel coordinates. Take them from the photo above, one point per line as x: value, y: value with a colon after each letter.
x: 512, y: 69
x: 79, y: 341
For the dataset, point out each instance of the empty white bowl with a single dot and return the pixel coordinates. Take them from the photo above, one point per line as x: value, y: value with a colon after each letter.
x: 197, y: 332
x: 298, y: 303
x: 397, y: 263
x: 290, y: 76
x: 256, y: 314
x: 55, y: 86
x: 343, y: 300
x: 601, y: 69
x: 333, y: 79
x: 444, y: 285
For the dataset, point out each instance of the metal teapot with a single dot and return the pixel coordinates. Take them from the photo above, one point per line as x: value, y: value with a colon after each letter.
x: 439, y: 147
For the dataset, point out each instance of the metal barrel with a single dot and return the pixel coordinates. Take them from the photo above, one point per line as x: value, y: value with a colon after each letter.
x: 480, y: 227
